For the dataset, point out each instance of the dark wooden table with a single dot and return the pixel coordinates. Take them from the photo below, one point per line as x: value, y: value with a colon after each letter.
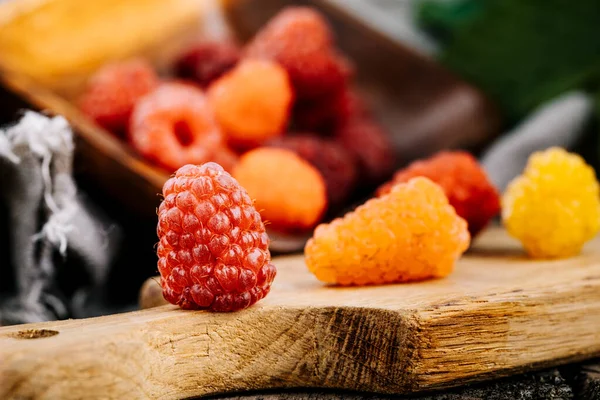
x: 579, y: 381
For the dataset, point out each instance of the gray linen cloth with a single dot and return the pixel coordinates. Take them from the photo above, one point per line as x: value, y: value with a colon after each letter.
x: 48, y: 220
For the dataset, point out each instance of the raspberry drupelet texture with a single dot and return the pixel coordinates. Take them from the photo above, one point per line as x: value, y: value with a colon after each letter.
x: 112, y: 91
x: 207, y: 61
x: 553, y: 208
x: 464, y: 181
x: 411, y: 233
x: 290, y: 193
x: 252, y: 102
x: 300, y: 39
x: 333, y: 162
x: 213, y: 252
x: 174, y: 125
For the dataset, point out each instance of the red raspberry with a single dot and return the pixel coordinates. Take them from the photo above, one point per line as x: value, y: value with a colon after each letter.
x: 174, y: 126
x: 207, y: 61
x: 350, y: 104
x: 464, y: 181
x: 213, y: 250
x: 113, y: 90
x: 324, y: 114
x: 333, y: 162
x: 299, y: 38
x: 371, y: 146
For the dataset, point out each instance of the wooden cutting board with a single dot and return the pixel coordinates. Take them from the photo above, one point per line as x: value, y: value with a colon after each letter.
x: 498, y: 313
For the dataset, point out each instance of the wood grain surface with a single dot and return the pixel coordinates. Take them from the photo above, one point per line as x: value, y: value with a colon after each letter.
x: 497, y: 314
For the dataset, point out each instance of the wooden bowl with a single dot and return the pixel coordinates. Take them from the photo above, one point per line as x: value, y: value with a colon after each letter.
x: 48, y: 48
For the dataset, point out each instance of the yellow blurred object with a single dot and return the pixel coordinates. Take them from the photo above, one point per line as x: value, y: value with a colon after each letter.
x: 57, y: 41
x: 553, y: 208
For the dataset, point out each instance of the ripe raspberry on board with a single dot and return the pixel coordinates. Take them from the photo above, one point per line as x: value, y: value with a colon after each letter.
x: 553, y: 208
x: 174, y: 125
x: 290, y: 193
x: 464, y: 181
x: 252, y: 102
x: 333, y: 162
x: 207, y: 61
x: 112, y: 91
x: 299, y: 38
x: 213, y: 250
x: 409, y: 234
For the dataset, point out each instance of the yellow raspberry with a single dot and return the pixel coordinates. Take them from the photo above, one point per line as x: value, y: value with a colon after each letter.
x: 411, y: 233
x: 553, y: 208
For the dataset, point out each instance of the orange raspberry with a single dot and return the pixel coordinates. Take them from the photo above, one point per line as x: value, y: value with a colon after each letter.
x: 464, y: 181
x: 410, y: 234
x: 252, y: 102
x: 290, y: 193
x: 336, y: 164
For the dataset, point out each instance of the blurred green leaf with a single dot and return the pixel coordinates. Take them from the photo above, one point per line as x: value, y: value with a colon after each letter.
x: 524, y: 52
x: 441, y: 18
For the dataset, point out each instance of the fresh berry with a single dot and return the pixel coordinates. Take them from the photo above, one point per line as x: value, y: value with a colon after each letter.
x: 410, y: 234
x: 207, y: 61
x: 553, y: 208
x: 289, y: 192
x: 113, y: 90
x: 333, y: 162
x: 350, y: 105
x: 326, y: 113
x: 213, y: 252
x: 252, y: 102
x: 464, y: 181
x: 300, y: 39
x: 174, y: 125
x: 371, y: 146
